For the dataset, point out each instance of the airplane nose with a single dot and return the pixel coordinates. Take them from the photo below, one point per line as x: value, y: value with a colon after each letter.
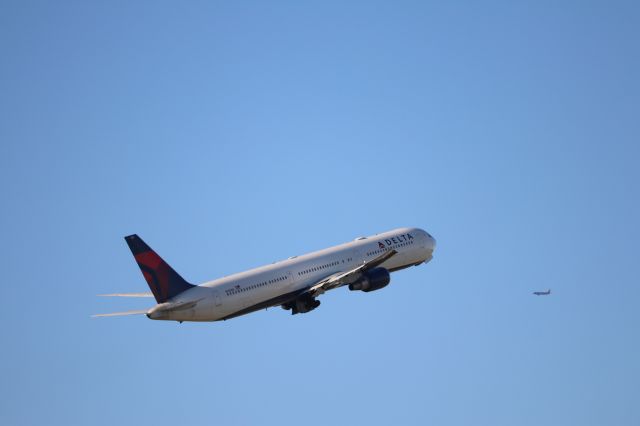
x: 431, y: 242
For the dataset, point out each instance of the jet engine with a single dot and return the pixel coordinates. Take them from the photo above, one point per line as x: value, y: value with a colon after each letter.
x: 372, y: 280
x: 302, y: 305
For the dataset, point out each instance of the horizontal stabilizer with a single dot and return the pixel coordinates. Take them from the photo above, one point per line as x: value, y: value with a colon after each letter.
x: 148, y: 294
x: 120, y: 314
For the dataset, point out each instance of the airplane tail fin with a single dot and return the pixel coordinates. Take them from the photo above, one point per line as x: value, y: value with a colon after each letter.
x: 163, y: 281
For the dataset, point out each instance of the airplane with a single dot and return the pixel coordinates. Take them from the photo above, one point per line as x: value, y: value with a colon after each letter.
x: 542, y: 293
x: 294, y: 284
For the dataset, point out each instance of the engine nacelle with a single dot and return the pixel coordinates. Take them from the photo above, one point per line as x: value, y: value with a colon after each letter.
x: 374, y: 279
x: 302, y: 305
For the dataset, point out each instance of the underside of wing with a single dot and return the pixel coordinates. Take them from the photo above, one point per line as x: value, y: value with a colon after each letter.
x: 306, y: 300
x: 121, y: 314
x: 348, y: 277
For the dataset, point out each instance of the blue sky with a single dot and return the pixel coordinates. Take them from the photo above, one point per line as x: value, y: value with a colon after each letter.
x: 232, y: 134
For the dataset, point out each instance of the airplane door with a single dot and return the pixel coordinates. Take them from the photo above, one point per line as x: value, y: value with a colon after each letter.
x: 358, y: 257
x: 289, y: 281
x: 216, y: 298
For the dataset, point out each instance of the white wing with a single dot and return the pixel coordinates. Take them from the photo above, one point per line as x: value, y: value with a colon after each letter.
x: 342, y: 278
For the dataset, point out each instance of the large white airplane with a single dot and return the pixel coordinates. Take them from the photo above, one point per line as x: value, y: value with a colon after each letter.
x: 363, y: 264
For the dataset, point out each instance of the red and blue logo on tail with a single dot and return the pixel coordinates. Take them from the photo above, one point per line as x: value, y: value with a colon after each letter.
x: 163, y: 281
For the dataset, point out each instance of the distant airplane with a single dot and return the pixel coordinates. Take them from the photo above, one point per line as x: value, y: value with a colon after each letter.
x: 363, y: 264
x: 542, y: 293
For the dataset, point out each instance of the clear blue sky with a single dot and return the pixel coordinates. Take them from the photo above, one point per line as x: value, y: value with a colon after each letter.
x: 229, y: 135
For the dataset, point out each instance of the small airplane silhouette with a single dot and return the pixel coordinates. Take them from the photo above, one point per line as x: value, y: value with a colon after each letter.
x: 542, y: 293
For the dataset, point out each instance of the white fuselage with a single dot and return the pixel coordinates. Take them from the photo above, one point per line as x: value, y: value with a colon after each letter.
x: 270, y: 285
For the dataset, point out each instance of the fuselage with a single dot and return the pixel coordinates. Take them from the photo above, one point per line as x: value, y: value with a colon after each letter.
x: 273, y: 284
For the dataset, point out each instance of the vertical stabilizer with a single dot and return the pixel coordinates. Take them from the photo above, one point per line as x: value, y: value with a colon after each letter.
x: 163, y: 281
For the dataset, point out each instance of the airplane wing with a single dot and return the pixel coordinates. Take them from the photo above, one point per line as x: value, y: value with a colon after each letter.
x: 343, y: 278
x: 119, y: 314
x: 147, y: 294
